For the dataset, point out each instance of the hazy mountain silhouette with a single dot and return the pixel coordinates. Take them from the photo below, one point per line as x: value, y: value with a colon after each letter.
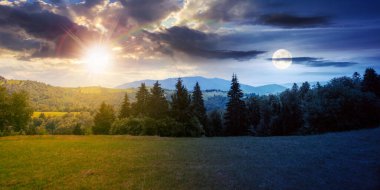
x: 207, y: 84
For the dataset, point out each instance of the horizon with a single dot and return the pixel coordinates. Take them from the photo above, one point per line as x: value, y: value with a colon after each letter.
x: 107, y: 43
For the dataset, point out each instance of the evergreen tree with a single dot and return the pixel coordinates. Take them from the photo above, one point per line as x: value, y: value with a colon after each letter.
x: 253, y: 108
x: 291, y: 113
x: 182, y: 111
x: 199, y: 108
x: 125, y: 109
x: 304, y: 89
x: 140, y: 108
x: 157, y: 103
x: 103, y: 119
x: 235, y: 116
x: 371, y: 82
x: 181, y: 108
x: 356, y: 78
x: 216, y: 123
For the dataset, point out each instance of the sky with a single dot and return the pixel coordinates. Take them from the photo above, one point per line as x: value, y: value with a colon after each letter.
x: 110, y: 42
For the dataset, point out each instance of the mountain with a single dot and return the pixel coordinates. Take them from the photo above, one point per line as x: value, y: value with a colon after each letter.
x: 206, y: 84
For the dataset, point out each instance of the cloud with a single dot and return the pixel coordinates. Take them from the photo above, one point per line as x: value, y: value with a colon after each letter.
x: 316, y: 62
x: 56, y: 35
x: 293, y: 21
x: 245, y: 12
x: 147, y: 11
x: 197, y: 43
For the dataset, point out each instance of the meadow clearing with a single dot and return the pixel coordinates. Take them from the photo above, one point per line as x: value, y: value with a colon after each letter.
x: 52, y: 114
x: 345, y: 160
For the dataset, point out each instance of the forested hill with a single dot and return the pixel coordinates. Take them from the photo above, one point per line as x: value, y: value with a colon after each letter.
x: 45, y: 97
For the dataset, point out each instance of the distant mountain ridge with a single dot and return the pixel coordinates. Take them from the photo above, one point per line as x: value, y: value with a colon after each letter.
x: 206, y: 84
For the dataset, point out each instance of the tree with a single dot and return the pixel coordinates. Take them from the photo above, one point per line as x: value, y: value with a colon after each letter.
x: 291, y: 117
x: 21, y: 111
x: 235, y: 116
x: 216, y: 123
x: 181, y: 109
x: 103, y: 119
x: 199, y: 109
x: 253, y: 108
x: 304, y: 89
x: 140, y: 107
x: 125, y: 109
x: 4, y: 108
x: 371, y: 82
x: 158, y: 106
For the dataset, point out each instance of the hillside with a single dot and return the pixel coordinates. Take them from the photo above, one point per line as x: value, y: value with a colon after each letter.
x: 207, y: 84
x: 45, y: 97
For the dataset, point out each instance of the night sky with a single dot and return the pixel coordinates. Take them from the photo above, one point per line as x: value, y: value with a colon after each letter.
x: 47, y: 40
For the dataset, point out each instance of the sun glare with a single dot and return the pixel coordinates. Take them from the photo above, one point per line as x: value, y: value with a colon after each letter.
x: 97, y: 58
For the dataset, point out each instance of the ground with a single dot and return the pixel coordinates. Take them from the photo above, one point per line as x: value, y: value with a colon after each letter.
x: 346, y: 160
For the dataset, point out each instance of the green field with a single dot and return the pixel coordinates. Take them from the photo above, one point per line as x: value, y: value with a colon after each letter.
x: 348, y: 160
x: 53, y: 114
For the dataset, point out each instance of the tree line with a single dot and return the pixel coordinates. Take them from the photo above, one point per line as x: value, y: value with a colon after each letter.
x: 344, y: 103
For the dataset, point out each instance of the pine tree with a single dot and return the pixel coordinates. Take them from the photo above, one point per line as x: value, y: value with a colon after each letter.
x: 125, y: 109
x: 181, y: 109
x: 216, y: 123
x: 199, y: 108
x: 103, y: 119
x: 140, y: 108
x: 236, y: 114
x: 371, y: 81
x: 157, y: 103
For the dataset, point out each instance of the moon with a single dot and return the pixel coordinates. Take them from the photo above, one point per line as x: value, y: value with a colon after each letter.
x: 282, y: 59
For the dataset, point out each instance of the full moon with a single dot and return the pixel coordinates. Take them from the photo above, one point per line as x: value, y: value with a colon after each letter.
x: 282, y: 59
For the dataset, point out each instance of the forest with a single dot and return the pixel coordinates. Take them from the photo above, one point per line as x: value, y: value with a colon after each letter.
x: 344, y: 103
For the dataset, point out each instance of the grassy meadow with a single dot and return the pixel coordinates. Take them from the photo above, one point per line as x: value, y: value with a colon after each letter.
x: 53, y: 114
x: 347, y: 160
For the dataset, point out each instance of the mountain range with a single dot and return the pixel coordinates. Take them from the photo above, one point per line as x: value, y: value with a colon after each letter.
x: 206, y: 84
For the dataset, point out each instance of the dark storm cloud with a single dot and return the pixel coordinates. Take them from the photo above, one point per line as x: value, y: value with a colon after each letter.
x: 146, y: 11
x: 271, y: 13
x: 316, y: 62
x: 50, y: 29
x: 15, y: 42
x: 292, y: 21
x: 197, y: 43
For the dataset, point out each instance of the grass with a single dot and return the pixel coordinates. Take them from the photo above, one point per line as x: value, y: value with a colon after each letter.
x: 53, y: 114
x: 348, y: 160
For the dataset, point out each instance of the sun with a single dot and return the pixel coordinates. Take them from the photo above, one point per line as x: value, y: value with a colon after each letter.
x: 97, y: 58
x: 282, y: 59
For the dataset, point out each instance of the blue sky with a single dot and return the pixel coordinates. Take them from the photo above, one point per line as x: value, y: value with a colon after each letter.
x: 46, y: 40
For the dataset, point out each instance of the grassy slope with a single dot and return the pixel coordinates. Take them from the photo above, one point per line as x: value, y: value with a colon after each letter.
x: 348, y: 160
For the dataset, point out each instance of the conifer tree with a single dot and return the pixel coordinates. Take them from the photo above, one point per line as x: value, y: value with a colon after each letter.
x: 103, y: 119
x: 371, y: 82
x: 199, y: 108
x: 181, y: 109
x: 236, y: 113
x: 157, y: 103
x: 140, y: 107
x: 125, y: 109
